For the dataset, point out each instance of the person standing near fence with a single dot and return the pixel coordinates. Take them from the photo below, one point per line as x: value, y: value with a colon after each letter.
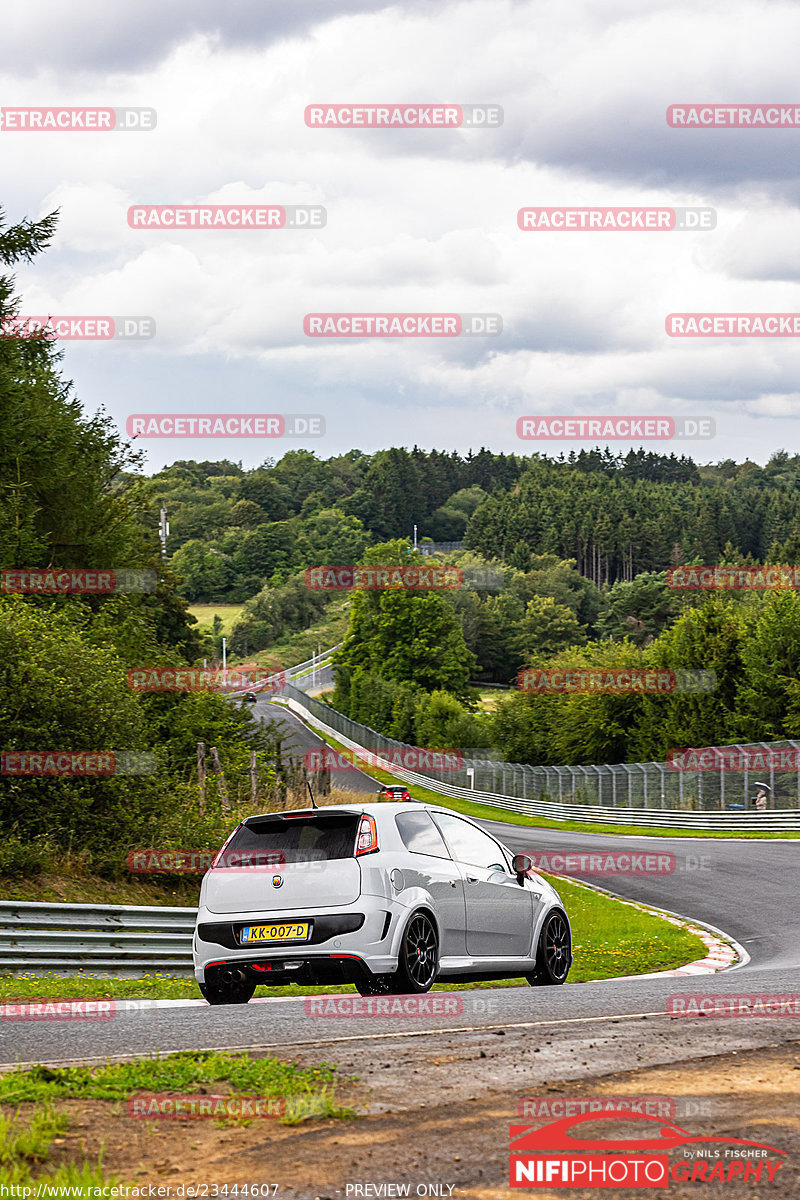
x: 761, y: 796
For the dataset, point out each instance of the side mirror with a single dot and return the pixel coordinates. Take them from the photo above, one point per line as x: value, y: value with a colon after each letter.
x: 521, y: 864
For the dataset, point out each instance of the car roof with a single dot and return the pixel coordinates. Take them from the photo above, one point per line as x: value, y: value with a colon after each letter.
x: 373, y: 807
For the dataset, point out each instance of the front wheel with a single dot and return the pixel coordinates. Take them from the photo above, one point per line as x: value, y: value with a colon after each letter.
x: 554, y: 953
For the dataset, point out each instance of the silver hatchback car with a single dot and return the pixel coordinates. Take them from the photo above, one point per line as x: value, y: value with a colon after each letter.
x: 390, y: 897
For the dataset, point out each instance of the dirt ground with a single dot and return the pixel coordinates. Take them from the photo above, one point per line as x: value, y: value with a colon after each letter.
x: 425, y: 1119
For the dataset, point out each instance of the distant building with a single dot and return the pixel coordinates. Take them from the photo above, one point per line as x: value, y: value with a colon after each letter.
x: 439, y: 547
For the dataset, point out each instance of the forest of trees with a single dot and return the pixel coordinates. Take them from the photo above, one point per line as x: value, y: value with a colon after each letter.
x: 406, y: 663
x: 233, y: 530
x: 620, y: 516
x: 68, y: 498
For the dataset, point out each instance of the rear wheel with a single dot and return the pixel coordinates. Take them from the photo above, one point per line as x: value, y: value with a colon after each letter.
x: 554, y: 954
x: 227, y: 991
x: 418, y: 962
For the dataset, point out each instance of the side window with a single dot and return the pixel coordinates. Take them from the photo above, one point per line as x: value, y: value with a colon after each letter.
x: 471, y: 845
x: 420, y: 835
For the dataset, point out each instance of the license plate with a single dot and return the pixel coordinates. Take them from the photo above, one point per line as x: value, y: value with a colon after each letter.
x: 285, y: 931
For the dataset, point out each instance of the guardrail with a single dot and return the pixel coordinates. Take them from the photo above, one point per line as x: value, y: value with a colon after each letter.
x: 118, y: 939
x: 295, y: 674
x: 315, y: 713
x: 305, y: 668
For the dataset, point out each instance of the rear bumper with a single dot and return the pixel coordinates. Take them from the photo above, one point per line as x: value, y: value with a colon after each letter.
x: 342, y: 947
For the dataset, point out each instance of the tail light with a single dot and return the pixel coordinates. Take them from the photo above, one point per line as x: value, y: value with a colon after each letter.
x: 367, y: 837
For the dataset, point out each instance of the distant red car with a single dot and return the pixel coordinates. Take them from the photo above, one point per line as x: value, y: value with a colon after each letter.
x: 393, y: 792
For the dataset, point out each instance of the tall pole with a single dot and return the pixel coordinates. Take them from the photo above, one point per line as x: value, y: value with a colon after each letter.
x: 415, y: 537
x: 163, y: 531
x: 201, y: 774
x: 224, y: 661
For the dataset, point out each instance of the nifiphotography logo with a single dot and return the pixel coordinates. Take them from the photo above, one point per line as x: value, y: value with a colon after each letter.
x: 552, y: 1156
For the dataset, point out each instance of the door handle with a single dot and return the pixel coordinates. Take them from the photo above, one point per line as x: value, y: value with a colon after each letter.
x: 471, y: 879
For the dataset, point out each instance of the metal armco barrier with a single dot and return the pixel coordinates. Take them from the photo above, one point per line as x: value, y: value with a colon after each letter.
x: 298, y: 673
x: 542, y: 781
x: 118, y: 939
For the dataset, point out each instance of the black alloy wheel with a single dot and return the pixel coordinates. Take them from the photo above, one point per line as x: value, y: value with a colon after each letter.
x: 554, y: 955
x: 418, y: 963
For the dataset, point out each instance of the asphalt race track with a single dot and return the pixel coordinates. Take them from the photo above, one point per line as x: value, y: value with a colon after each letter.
x: 747, y: 889
x: 298, y: 738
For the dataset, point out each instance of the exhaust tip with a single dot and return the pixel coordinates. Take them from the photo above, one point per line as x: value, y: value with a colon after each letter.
x: 233, y: 975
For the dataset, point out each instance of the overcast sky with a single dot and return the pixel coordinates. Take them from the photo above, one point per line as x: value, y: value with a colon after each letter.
x: 417, y: 220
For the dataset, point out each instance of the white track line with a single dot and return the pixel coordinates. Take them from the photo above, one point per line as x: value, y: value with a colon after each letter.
x: 329, y: 1041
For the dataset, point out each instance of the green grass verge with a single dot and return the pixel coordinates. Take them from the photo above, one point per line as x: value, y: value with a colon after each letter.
x: 611, y: 938
x: 31, y: 1141
x: 305, y: 1091
x: 205, y: 613
x: 84, y: 1180
x: 488, y: 812
x: 286, y: 653
x: 26, y: 1144
x: 179, y: 892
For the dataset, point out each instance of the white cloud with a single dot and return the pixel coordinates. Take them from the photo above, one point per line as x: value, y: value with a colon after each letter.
x: 418, y: 220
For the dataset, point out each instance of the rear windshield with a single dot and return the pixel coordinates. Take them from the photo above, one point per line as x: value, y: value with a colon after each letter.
x: 269, y: 842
